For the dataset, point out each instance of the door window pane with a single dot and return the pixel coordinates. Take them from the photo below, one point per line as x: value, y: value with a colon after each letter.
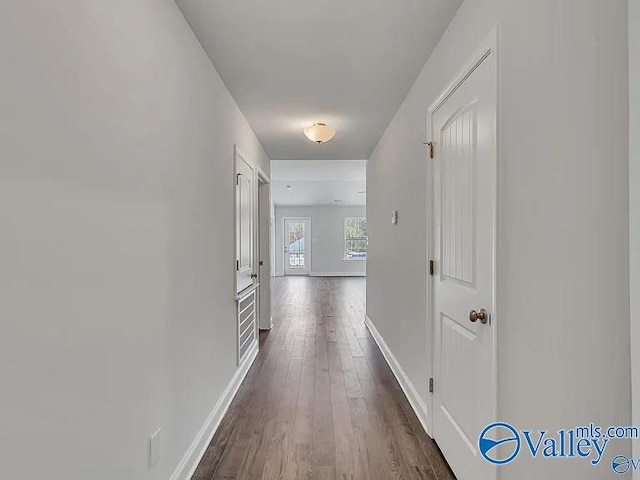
x: 296, y: 244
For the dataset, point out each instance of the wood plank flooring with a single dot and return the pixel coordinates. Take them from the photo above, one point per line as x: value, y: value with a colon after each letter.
x: 320, y: 402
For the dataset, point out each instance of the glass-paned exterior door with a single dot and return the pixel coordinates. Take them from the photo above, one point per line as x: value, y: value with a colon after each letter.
x: 296, y: 246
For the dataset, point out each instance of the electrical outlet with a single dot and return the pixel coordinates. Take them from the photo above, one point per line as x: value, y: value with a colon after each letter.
x: 394, y: 217
x: 155, y: 448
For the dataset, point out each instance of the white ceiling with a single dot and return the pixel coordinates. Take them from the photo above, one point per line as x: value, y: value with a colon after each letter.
x: 291, y: 63
x: 319, y: 182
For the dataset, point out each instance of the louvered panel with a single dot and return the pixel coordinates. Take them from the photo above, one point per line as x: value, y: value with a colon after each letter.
x: 246, y: 316
x: 246, y: 323
x: 244, y: 303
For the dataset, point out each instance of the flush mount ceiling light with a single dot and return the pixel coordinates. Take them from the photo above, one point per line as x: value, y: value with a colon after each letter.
x: 319, y: 133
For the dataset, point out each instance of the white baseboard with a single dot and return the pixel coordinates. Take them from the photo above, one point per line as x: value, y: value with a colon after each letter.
x: 196, y: 451
x: 418, y: 405
x: 338, y: 274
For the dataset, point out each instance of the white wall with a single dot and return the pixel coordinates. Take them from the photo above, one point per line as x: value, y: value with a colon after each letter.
x: 563, y: 288
x: 327, y: 233
x: 634, y: 204
x: 116, y: 237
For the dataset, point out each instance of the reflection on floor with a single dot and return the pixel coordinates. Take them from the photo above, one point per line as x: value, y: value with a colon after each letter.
x: 320, y: 401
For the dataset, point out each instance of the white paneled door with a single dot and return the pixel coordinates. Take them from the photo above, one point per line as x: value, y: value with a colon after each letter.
x: 463, y: 131
x: 245, y: 223
x: 296, y: 246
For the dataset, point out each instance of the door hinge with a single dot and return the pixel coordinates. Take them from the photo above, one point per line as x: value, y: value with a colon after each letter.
x: 430, y: 145
x: 432, y: 267
x: 431, y: 385
x: 237, y: 265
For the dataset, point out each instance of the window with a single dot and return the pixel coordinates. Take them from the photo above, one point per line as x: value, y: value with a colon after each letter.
x: 355, y: 238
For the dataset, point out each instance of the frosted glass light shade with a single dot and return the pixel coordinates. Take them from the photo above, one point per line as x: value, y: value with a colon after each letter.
x: 319, y: 133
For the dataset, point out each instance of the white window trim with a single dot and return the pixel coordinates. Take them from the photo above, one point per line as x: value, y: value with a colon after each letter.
x: 344, y: 240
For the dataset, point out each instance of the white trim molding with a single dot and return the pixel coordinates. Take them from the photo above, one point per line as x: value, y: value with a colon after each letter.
x: 418, y: 405
x: 338, y: 274
x: 196, y: 451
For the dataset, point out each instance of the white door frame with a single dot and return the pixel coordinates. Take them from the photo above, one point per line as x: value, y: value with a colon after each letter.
x: 307, y: 245
x: 264, y: 238
x: 488, y: 47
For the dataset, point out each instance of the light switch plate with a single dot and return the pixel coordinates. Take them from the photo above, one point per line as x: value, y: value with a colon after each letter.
x: 394, y: 217
x: 155, y: 448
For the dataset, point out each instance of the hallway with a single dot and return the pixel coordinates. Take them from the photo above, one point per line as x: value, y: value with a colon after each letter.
x: 320, y: 401
x: 273, y: 240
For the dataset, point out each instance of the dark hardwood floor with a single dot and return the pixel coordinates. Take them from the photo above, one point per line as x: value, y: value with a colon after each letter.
x: 320, y: 401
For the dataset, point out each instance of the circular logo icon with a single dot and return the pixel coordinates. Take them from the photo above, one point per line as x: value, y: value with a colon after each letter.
x: 495, y: 435
x: 620, y: 464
